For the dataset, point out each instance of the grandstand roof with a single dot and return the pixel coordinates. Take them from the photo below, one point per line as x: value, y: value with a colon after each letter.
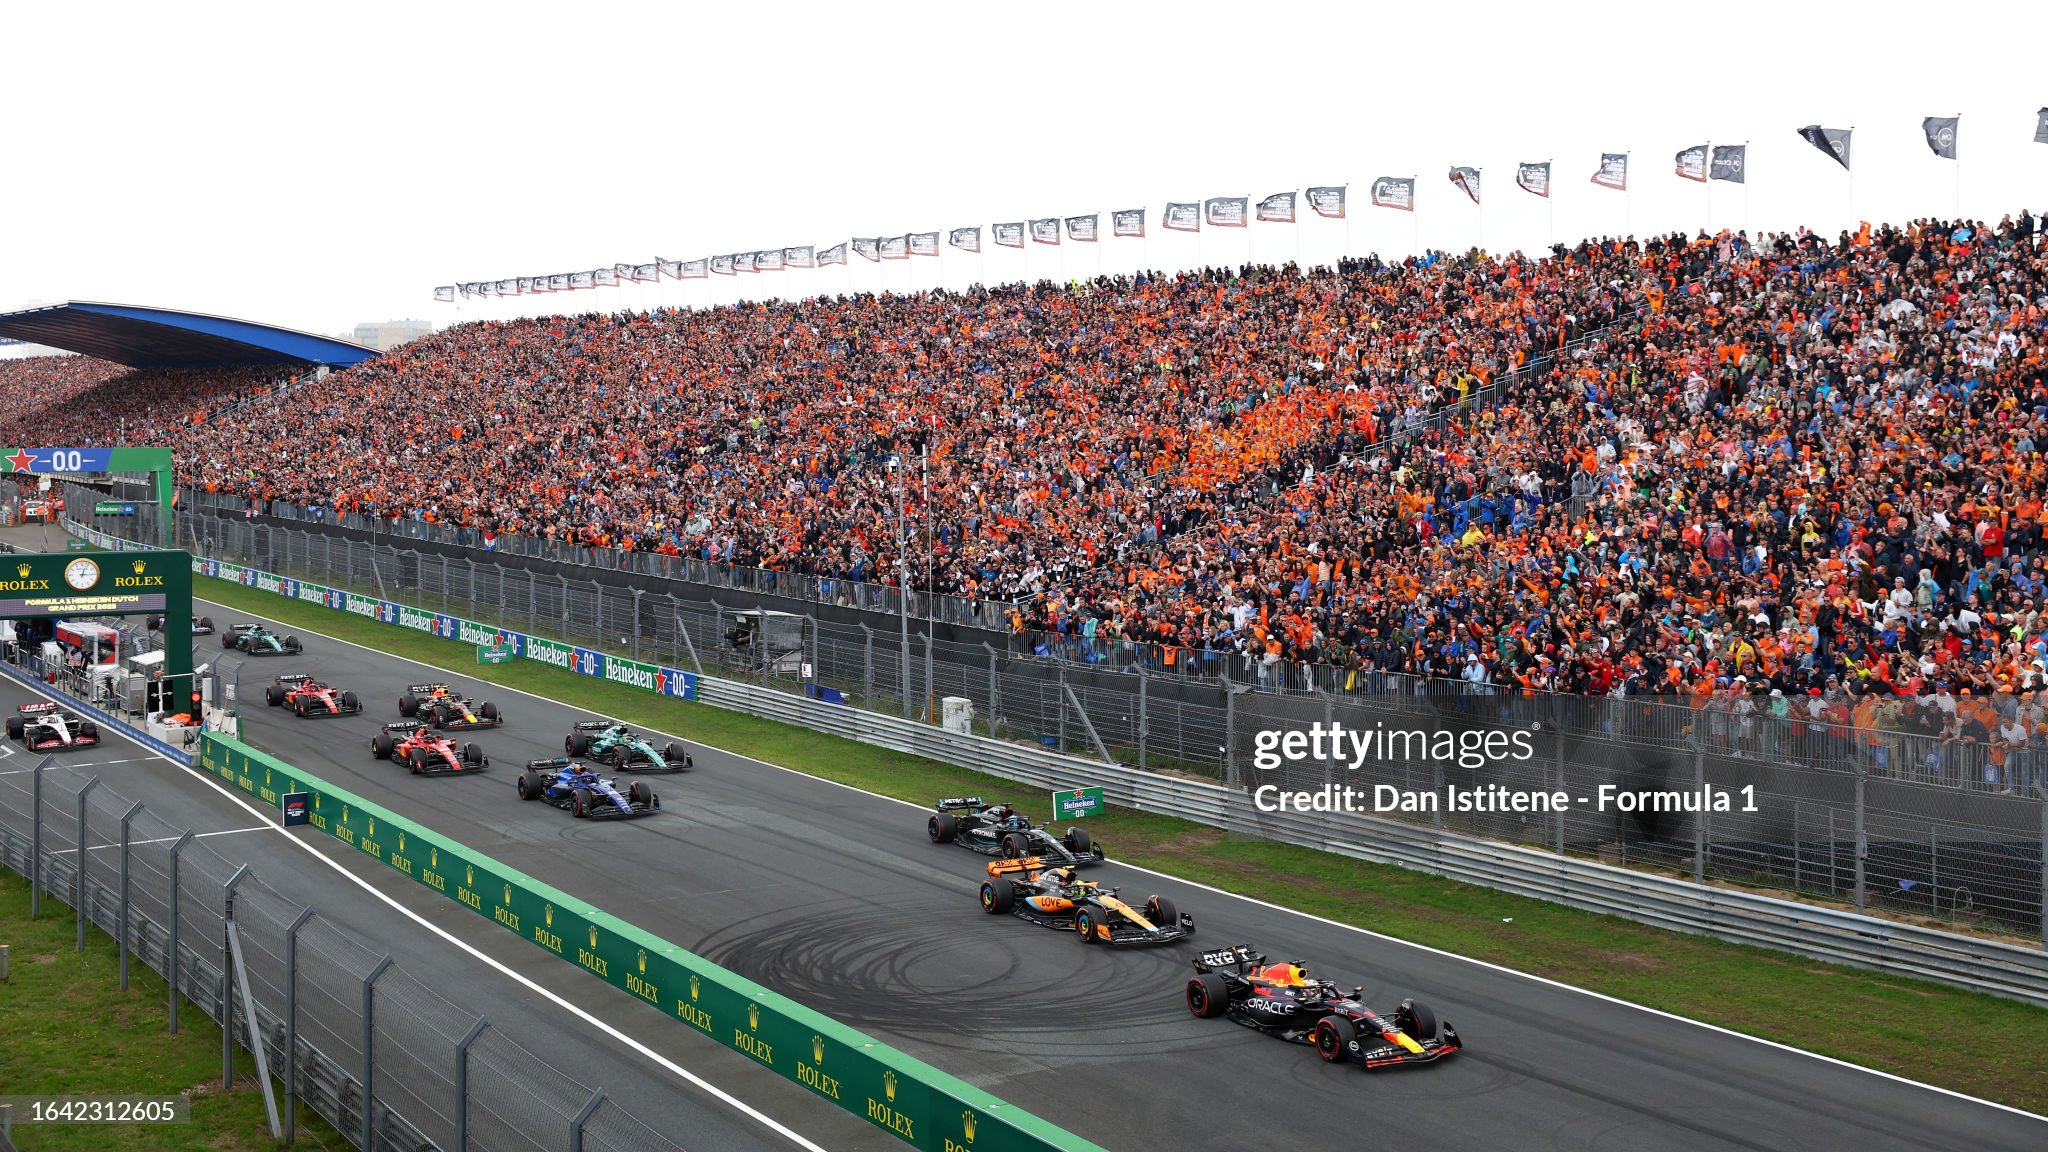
x: 162, y: 338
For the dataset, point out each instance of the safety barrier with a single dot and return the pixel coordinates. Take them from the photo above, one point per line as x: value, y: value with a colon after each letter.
x: 1805, y: 929
x: 918, y: 1103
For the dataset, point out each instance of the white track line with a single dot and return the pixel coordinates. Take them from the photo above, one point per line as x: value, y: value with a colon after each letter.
x: 728, y: 1098
x: 166, y: 839
x: 1366, y: 932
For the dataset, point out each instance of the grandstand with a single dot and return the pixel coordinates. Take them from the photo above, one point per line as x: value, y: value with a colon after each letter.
x: 1798, y: 479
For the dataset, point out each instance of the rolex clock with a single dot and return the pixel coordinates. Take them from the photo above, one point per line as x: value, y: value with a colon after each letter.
x: 82, y: 574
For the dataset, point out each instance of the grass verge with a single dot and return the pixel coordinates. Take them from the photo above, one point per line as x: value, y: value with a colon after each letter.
x: 70, y: 1030
x: 1988, y: 1047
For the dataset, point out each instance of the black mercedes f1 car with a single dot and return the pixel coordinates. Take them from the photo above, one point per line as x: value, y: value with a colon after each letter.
x: 1029, y: 889
x: 1282, y: 1000
x: 1000, y: 830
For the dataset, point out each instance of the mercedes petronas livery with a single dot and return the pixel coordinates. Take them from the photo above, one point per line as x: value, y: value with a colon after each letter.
x: 1000, y: 830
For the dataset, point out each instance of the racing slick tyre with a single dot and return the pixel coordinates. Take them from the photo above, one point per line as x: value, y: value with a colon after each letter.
x: 529, y: 788
x: 579, y: 805
x: 1078, y: 840
x: 472, y: 756
x: 205, y: 622
x: 1084, y: 926
x: 941, y: 827
x: 416, y: 760
x: 408, y: 705
x: 1333, y: 1036
x: 273, y: 696
x: 350, y: 702
x: 998, y: 895
x: 1208, y: 995
x: 227, y: 639
x: 576, y: 743
x: 489, y: 711
x: 676, y: 757
x: 382, y: 745
x: 299, y: 706
x: 1161, y: 912
x: 1418, y: 1021
x: 638, y: 795
x: 292, y: 645
x: 437, y: 717
x: 14, y: 727
x: 87, y: 730
x: 1015, y: 846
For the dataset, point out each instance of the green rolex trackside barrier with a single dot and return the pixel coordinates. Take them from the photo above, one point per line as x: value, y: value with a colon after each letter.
x: 920, y: 1104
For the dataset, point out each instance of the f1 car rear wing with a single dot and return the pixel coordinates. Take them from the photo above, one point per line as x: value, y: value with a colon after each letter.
x: 404, y: 725
x: 593, y: 725
x: 243, y: 627
x: 551, y: 762
x: 295, y: 678
x: 427, y: 689
x: 961, y: 802
x: 1240, y: 957
x: 1024, y: 864
x: 39, y: 706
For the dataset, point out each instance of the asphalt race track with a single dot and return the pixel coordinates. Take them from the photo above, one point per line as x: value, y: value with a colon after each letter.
x: 836, y: 898
x: 690, y: 1116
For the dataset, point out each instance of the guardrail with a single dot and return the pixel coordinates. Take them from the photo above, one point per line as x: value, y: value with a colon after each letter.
x: 1805, y: 929
x: 911, y: 1099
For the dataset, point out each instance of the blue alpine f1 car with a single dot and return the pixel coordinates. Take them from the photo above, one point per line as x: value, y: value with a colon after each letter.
x: 623, y: 748
x: 578, y: 789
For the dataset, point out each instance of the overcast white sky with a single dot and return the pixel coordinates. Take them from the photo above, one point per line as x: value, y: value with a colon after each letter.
x: 320, y: 166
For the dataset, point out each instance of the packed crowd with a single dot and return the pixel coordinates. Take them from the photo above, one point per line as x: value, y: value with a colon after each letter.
x: 81, y: 400
x: 1790, y: 478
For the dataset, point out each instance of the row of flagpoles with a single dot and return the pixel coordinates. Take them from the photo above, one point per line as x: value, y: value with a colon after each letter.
x: 1702, y: 162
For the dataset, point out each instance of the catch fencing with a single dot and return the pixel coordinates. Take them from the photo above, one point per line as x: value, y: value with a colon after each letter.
x: 392, y: 1064
x: 1878, y: 819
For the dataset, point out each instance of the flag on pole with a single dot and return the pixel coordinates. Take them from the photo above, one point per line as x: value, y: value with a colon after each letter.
x: 1182, y: 217
x: 445, y: 294
x: 804, y: 257
x: 508, y: 288
x: 670, y: 268
x: 1833, y: 141
x: 1081, y: 229
x: 867, y: 247
x: 559, y: 282
x: 895, y: 247
x: 605, y: 277
x: 1327, y: 201
x: 647, y: 272
x: 1941, y: 135
x: 522, y: 285
x: 721, y: 266
x: 1277, y: 208
x: 624, y: 272
x: 924, y: 243
x: 743, y: 262
x: 1395, y: 192
x: 1613, y: 171
x: 539, y: 284
x: 1046, y: 231
x: 582, y: 280
x: 836, y: 254
x: 965, y: 239
x: 1534, y: 178
x: 1728, y: 162
x: 692, y: 269
x: 1225, y: 211
x: 768, y: 261
x: 1692, y: 163
x: 1010, y: 235
x: 2041, y: 127
x: 1131, y: 221
x: 1467, y: 180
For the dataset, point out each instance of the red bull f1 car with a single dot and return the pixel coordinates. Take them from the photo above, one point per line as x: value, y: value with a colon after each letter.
x: 46, y: 726
x: 309, y: 697
x: 443, y: 707
x: 425, y: 752
x: 1283, y: 1000
x: 1055, y: 898
x: 1000, y: 830
x: 579, y: 790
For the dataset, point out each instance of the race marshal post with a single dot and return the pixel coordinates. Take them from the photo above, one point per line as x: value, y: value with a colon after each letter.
x: 36, y: 585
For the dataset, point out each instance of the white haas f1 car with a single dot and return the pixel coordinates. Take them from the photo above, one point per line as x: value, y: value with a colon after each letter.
x: 46, y: 726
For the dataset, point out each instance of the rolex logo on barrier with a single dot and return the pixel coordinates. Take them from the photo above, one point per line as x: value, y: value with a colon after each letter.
x: 687, y: 1009
x: 593, y: 937
x: 643, y: 961
x: 889, y: 1085
x: 884, y: 1113
x: 818, y: 1049
x: 547, y: 913
x: 544, y: 935
x: 753, y: 1015
x: 814, y: 1078
x: 694, y: 987
x: 747, y: 1042
x: 589, y: 958
x: 967, y: 1124
x: 141, y: 567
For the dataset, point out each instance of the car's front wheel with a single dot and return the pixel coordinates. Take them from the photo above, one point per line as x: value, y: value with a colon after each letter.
x: 1333, y: 1037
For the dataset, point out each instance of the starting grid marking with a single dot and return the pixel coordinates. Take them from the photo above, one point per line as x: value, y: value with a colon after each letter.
x: 164, y: 839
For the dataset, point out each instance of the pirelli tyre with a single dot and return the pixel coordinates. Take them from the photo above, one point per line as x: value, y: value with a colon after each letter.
x: 1333, y: 1037
x: 87, y: 730
x: 676, y: 757
x: 1418, y: 1021
x: 1085, y: 925
x: 1015, y: 845
x: 580, y: 802
x: 273, y: 696
x: 15, y: 727
x: 292, y: 645
x: 1079, y: 841
x: 228, y: 638
x: 408, y: 705
x: 300, y: 705
x: 576, y: 743
x: 529, y: 788
x: 942, y: 827
x: 1208, y: 995
x: 417, y: 760
x: 350, y: 702
x: 998, y: 895
x: 1161, y: 912
x: 382, y: 745
x: 639, y: 795
x: 472, y: 755
x: 489, y: 711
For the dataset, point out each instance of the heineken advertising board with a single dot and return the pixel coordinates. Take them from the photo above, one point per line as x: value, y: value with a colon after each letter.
x: 1076, y: 803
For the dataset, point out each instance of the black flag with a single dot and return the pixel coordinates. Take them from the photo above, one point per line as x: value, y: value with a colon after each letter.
x: 1729, y: 160
x: 1941, y: 135
x: 2041, y: 128
x: 1833, y: 141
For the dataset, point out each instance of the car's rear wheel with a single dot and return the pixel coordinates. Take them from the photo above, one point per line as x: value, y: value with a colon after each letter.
x: 350, y: 702
x: 1015, y: 845
x: 998, y: 895
x: 942, y: 827
x: 15, y: 727
x: 1208, y: 995
x: 381, y: 745
x: 408, y: 705
x: 227, y: 639
x: 576, y: 743
x: 529, y: 789
x: 205, y: 622
x: 579, y: 804
x: 489, y: 711
x: 1418, y: 1021
x: 472, y: 755
x: 1079, y: 840
x: 273, y: 696
x: 1333, y: 1036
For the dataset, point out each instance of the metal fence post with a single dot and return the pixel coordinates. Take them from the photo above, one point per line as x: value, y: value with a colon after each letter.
x: 995, y: 693
x: 2044, y: 873
x: 576, y: 1125
x: 1144, y: 713
x: 1558, y: 735
x: 1699, y: 820
x: 638, y: 595
x: 1862, y: 849
x: 1062, y: 747
x: 531, y: 601
x: 35, y: 843
x: 78, y: 876
x: 1228, y: 753
x: 369, y: 1038
x: 171, y: 953
x: 126, y: 820
x: 565, y: 633
x: 227, y: 1006
x: 867, y: 668
x: 462, y: 1083
x: 291, y: 1024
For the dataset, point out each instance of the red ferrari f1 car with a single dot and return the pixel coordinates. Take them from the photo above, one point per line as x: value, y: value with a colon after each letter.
x: 425, y: 752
